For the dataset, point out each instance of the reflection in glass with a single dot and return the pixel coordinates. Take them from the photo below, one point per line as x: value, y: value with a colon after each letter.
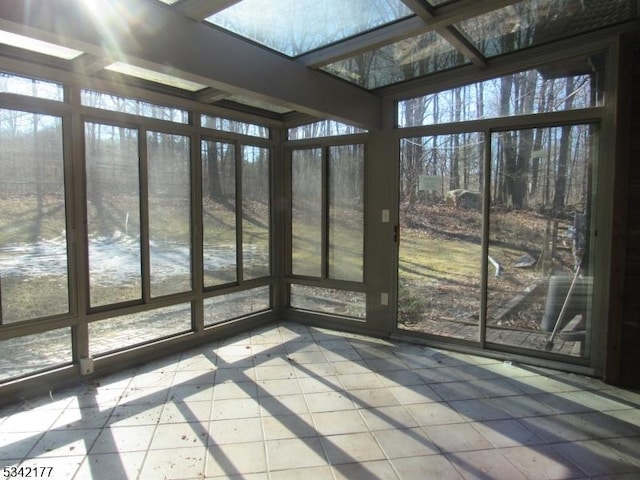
x: 115, y: 103
x: 235, y: 305
x: 294, y: 27
x: 10, y: 83
x: 33, y: 238
x: 119, y: 333
x: 346, y: 212
x: 404, y: 60
x: 306, y: 212
x: 169, y: 175
x: 439, y: 277
x: 30, y: 354
x: 113, y: 214
x: 235, y: 126
x: 540, y: 239
x: 523, y: 93
x: 219, y: 213
x: 323, y: 128
x: 533, y: 22
x: 256, y: 212
x: 327, y: 300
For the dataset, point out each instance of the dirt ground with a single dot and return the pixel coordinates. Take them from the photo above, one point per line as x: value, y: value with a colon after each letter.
x: 433, y: 289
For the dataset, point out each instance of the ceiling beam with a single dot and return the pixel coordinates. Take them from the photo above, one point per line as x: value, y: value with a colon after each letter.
x: 146, y: 34
x: 211, y: 95
x: 201, y: 9
x: 87, y: 64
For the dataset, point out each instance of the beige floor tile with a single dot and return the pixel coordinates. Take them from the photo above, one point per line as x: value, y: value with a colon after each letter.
x: 328, y: 402
x: 355, y: 447
x: 373, y: 397
x: 17, y: 445
x: 478, y: 410
x: 422, y: 468
x: 288, y: 386
x: 541, y: 462
x: 238, y: 408
x: 239, y: 430
x: 341, y: 422
x: 379, y: 469
x: 142, y: 414
x: 459, y: 437
x: 179, y: 435
x: 410, y: 442
x: 175, y: 463
x: 288, y: 426
x: 312, y: 473
x: 111, y: 466
x: 413, y: 394
x: 235, y: 459
x: 595, y: 458
x: 181, y: 412
x: 507, y: 433
x: 387, y: 418
x: 483, y: 465
x: 328, y: 405
x: 235, y: 390
x: 275, y: 372
x: 296, y: 453
x: 315, y: 384
x: 62, y: 443
x: 123, y: 439
x: 434, y: 414
x: 360, y: 381
x: 283, y: 405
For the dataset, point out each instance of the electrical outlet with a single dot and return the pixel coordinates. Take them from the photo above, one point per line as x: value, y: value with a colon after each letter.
x: 384, y: 299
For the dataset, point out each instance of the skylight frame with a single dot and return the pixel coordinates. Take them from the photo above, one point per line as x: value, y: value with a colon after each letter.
x: 39, y: 46
x: 155, y: 76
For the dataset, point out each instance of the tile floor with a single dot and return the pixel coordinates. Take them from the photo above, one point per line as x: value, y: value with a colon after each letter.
x: 294, y: 402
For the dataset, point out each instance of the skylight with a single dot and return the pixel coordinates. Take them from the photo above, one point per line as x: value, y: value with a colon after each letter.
x: 294, y: 27
x: 404, y: 60
x: 154, y: 76
x: 39, y: 46
x: 533, y: 22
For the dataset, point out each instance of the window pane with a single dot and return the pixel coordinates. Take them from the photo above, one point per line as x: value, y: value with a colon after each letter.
x: 33, y: 238
x: 27, y: 355
x: 404, y: 60
x: 234, y: 126
x: 128, y: 331
x: 440, y: 255
x: 256, y: 212
x: 323, y: 128
x: 115, y: 103
x: 219, y: 213
x: 234, y: 305
x: 306, y: 212
x: 297, y: 26
x: 541, y: 236
x: 169, y: 170
x: 326, y: 300
x: 113, y: 214
x: 533, y: 91
x: 534, y: 22
x: 10, y: 83
x: 346, y: 212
